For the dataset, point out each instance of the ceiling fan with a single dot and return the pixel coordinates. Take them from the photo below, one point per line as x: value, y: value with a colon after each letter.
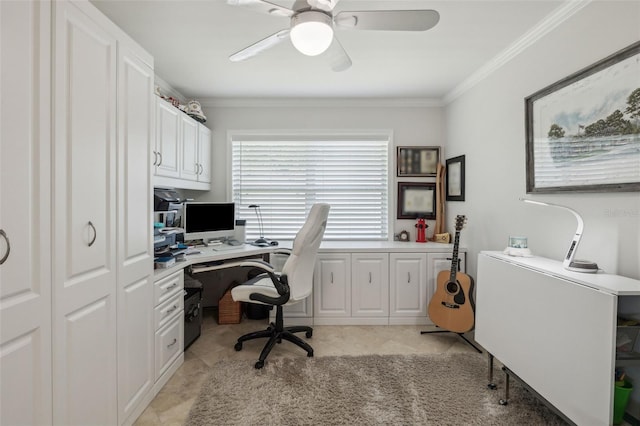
x: 312, y: 23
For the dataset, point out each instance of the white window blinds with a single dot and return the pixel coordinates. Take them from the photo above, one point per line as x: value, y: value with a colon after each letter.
x: 285, y: 176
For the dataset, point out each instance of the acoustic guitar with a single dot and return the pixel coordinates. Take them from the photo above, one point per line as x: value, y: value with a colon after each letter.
x: 452, y: 306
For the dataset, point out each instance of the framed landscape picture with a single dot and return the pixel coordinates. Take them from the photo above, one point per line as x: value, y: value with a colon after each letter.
x: 583, y: 132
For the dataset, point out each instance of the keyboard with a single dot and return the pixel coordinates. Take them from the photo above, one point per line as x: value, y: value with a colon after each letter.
x: 225, y: 247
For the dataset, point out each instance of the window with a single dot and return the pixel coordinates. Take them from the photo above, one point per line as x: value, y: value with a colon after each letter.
x: 286, y: 175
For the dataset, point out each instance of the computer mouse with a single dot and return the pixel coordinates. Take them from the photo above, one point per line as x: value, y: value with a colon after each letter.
x: 273, y: 243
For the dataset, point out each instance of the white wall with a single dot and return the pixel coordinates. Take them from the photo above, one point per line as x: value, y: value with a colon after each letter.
x: 412, y: 123
x: 486, y: 124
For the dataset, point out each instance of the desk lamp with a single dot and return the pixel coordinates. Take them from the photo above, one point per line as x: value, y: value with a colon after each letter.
x: 569, y: 263
x: 260, y: 241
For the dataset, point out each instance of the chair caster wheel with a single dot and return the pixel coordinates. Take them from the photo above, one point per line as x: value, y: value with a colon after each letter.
x: 259, y: 365
x: 492, y: 386
x: 310, y: 354
x: 238, y: 346
x: 308, y: 334
x: 503, y: 402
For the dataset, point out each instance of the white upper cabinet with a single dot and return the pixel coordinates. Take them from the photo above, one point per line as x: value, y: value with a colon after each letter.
x: 167, y: 152
x: 183, y: 150
x: 204, y: 154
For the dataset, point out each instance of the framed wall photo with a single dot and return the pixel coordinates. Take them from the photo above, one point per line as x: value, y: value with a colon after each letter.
x: 417, y: 161
x: 455, y: 179
x: 583, y: 132
x: 416, y: 200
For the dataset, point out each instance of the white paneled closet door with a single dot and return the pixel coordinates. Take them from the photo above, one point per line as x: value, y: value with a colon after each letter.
x: 84, y: 221
x: 25, y: 203
x: 136, y: 326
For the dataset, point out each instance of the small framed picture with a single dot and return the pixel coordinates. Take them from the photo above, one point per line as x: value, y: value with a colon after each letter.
x: 417, y: 161
x: 455, y: 179
x: 416, y: 200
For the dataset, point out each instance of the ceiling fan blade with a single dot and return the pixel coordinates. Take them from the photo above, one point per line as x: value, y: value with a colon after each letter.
x: 262, y: 45
x: 337, y: 57
x: 263, y: 6
x: 388, y: 20
x: 326, y: 5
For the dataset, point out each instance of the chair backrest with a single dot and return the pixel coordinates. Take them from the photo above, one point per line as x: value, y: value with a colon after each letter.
x: 299, y: 266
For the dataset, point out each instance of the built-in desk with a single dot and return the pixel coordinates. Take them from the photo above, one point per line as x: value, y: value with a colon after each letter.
x: 209, y: 254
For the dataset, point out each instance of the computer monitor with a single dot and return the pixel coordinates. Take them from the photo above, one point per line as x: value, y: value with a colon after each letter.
x: 208, y: 221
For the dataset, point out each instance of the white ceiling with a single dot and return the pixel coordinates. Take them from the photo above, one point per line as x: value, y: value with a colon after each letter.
x: 192, y: 40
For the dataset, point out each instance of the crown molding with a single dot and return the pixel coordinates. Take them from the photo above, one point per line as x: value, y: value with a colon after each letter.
x: 321, y: 103
x: 552, y: 21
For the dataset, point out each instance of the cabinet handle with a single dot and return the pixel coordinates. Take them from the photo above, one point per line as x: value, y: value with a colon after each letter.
x: 95, y: 234
x: 173, y: 308
x: 168, y: 289
x: 172, y: 343
x: 369, y: 277
x: 155, y: 158
x: 332, y: 278
x: 201, y: 169
x: 408, y: 277
x: 160, y: 155
x: 6, y: 255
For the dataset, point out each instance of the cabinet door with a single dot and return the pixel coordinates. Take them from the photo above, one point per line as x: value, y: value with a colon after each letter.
x: 167, y: 140
x: 332, y: 286
x: 25, y: 213
x: 438, y: 262
x: 136, y: 111
x: 84, y: 224
x: 189, y: 166
x: 204, y: 154
x: 408, y: 284
x: 369, y: 284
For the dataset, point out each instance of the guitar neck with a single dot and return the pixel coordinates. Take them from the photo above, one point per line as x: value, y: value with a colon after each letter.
x: 454, y: 257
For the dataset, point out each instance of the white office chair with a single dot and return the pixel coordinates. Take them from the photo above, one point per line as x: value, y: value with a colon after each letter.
x: 292, y: 285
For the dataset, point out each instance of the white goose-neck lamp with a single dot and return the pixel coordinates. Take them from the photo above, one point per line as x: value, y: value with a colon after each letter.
x: 569, y: 263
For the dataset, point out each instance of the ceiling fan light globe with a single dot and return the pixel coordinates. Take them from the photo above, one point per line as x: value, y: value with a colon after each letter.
x: 311, y: 32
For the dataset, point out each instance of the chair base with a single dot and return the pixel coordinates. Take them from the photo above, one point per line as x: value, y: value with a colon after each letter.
x: 275, y: 333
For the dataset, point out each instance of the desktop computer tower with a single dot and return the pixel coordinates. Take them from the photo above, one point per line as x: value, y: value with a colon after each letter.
x: 192, y: 310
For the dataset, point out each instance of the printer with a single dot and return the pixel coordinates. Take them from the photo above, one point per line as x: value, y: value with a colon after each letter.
x: 167, y: 206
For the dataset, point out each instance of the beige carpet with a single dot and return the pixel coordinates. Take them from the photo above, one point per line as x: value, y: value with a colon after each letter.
x: 444, y: 389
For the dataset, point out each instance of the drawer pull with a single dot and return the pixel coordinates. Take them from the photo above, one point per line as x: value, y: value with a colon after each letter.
x: 173, y: 308
x: 172, y: 286
x: 172, y: 343
x: 95, y: 234
x: 6, y: 255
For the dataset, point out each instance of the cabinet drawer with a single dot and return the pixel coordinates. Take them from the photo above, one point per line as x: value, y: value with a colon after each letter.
x: 165, y: 312
x: 169, y: 343
x: 167, y: 287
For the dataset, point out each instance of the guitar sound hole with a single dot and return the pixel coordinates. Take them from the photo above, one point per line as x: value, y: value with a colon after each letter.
x: 453, y: 287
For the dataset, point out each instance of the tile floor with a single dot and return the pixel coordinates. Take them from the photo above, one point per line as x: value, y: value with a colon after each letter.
x: 171, y: 405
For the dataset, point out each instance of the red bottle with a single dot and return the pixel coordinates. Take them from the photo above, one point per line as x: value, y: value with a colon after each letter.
x: 421, y: 235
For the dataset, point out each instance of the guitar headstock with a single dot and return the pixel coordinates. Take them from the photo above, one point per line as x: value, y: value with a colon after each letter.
x: 460, y: 221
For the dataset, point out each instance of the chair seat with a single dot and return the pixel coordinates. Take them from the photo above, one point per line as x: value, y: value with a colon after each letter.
x: 261, y: 284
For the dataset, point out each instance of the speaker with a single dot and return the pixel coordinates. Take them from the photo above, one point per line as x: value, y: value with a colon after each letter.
x: 240, y: 234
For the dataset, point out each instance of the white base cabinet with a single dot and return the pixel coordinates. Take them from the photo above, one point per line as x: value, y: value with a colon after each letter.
x: 369, y: 285
x: 391, y: 284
